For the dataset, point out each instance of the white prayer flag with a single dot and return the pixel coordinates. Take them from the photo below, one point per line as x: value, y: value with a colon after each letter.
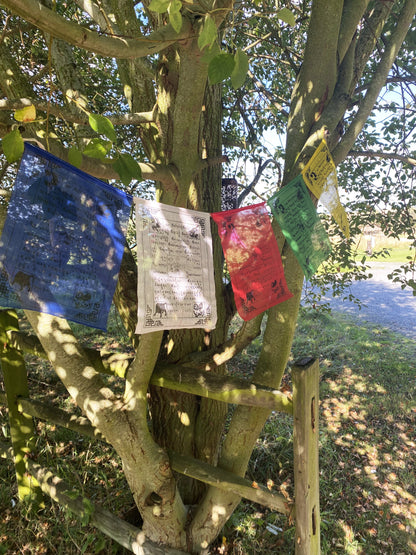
x: 175, y: 268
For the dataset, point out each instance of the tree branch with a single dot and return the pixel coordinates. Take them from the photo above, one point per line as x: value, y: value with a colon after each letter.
x: 384, y: 155
x: 81, y: 119
x: 125, y: 297
x: 104, y: 170
x: 350, y: 71
x: 398, y: 35
x: 109, y: 46
x: 316, y: 80
x: 76, y: 372
x: 127, y: 535
x: 212, y: 359
x: 97, y: 14
x: 260, y: 170
x: 227, y: 389
x: 267, y: 94
x: 247, y: 422
x: 352, y: 13
x: 4, y: 30
x: 398, y: 79
x: 208, y: 162
x: 334, y: 112
x: 124, y: 424
x: 367, y: 40
x: 229, y: 482
x: 62, y: 58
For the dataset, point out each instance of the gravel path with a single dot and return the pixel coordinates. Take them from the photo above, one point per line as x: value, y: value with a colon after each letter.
x: 386, y: 303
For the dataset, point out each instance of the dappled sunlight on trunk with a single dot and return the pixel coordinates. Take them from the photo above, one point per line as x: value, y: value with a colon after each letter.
x: 168, y: 101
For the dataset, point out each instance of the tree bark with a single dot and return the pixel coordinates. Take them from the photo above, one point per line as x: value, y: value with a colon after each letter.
x: 180, y: 133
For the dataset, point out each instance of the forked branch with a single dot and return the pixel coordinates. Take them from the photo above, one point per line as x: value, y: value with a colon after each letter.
x: 110, y: 46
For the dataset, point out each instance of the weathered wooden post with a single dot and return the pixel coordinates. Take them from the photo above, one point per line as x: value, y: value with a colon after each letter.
x: 21, y: 425
x: 305, y: 378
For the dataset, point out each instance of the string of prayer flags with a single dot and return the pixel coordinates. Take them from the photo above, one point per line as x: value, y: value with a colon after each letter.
x: 296, y: 214
x: 253, y: 259
x: 320, y: 177
x: 63, y: 241
x: 176, y: 286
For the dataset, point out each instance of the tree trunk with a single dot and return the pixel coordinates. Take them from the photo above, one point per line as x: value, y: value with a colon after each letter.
x: 184, y: 135
x: 182, y: 422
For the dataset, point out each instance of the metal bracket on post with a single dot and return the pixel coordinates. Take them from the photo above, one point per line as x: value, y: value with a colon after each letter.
x: 305, y: 378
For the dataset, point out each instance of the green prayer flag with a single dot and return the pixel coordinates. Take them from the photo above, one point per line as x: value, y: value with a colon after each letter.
x: 296, y: 214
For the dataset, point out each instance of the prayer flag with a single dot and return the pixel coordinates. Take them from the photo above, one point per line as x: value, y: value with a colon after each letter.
x: 253, y: 259
x: 296, y: 214
x: 320, y: 176
x: 330, y: 199
x: 176, y: 286
x: 63, y: 241
x: 229, y: 194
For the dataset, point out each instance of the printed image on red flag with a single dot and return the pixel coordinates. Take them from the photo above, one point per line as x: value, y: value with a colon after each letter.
x: 253, y: 259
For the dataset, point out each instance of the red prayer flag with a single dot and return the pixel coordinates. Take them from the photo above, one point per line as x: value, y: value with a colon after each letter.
x: 253, y: 259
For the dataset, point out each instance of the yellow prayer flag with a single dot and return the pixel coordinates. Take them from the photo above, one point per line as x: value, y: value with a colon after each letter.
x: 318, y: 168
x: 320, y: 176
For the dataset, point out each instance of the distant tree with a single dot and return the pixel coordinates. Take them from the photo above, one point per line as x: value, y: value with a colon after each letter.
x: 185, y: 83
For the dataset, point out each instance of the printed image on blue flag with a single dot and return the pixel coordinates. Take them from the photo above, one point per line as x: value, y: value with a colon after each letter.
x: 63, y: 241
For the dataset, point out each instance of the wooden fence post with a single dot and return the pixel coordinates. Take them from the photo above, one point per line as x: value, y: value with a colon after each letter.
x: 21, y: 425
x: 305, y: 378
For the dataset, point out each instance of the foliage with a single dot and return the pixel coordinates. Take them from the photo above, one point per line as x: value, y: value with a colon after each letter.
x: 155, y: 97
x: 368, y: 412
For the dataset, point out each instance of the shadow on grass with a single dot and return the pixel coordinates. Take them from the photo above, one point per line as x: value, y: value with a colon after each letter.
x: 368, y: 417
x: 367, y: 446
x: 367, y: 457
x: 368, y: 461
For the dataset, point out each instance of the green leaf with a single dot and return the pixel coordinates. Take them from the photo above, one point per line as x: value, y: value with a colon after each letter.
x: 220, y: 67
x: 175, y: 16
x: 174, y: 6
x: 87, y: 512
x: 13, y: 146
x: 97, y: 148
x: 71, y: 494
x: 26, y: 114
x: 88, y: 506
x: 287, y: 16
x: 159, y: 6
x: 99, y: 545
x: 75, y: 157
x: 238, y: 76
x: 208, y: 33
x: 127, y: 168
x: 102, y: 126
x: 210, y: 53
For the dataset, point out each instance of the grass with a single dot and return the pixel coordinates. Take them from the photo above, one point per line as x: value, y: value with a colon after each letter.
x: 386, y: 251
x: 367, y: 445
x: 367, y: 456
x: 398, y: 255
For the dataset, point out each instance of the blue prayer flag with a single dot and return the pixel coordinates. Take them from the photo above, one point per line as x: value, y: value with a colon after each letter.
x: 63, y: 241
